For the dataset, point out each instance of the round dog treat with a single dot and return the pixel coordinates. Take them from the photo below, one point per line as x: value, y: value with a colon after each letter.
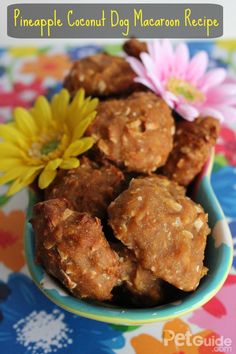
x: 135, y: 133
x: 192, y: 146
x: 72, y: 247
x: 90, y: 187
x: 144, y: 286
x: 101, y: 75
x: 165, y: 229
x: 134, y: 47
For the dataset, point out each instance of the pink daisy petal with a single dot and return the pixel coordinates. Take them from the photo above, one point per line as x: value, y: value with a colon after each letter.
x: 181, y: 59
x: 155, y: 79
x: 221, y: 93
x: 146, y: 82
x: 229, y: 113
x: 228, y: 89
x: 156, y: 53
x: 148, y: 62
x: 159, y: 60
x: 212, y: 78
x: 230, y: 100
x: 154, y: 48
x: 212, y: 112
x: 230, y: 80
x: 197, y: 67
x: 170, y: 99
x: 188, y: 112
x: 217, y: 97
x: 168, y: 53
x: 137, y: 66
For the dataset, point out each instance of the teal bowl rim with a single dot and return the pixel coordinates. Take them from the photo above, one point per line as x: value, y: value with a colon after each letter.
x: 210, y: 285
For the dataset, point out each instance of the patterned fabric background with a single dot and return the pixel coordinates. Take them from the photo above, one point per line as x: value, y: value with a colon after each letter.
x: 29, y: 322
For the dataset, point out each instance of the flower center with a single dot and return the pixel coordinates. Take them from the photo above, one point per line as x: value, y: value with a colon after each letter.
x: 49, y: 147
x: 185, y: 89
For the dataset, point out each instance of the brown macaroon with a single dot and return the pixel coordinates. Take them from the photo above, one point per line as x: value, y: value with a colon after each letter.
x: 166, y: 230
x: 90, y: 187
x: 193, y: 142
x: 72, y: 247
x: 142, y: 284
x: 136, y: 133
x: 101, y: 75
x: 134, y: 47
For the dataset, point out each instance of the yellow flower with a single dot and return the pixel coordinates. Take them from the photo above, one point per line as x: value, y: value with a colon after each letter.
x: 47, y: 137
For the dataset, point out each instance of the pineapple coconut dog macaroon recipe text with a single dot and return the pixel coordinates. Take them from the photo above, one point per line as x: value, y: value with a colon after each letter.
x: 111, y: 20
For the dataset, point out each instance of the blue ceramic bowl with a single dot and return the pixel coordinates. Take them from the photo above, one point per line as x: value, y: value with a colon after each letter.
x: 218, y: 259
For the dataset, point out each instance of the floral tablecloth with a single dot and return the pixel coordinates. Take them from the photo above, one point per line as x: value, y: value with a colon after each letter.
x: 29, y: 322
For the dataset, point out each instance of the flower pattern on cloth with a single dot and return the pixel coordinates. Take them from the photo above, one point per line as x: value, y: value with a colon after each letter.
x: 29, y: 322
x: 219, y: 313
x: 223, y: 182
x: 37, y: 326
x: 170, y: 344
x: 11, y: 242
x: 45, y: 66
x: 226, y: 145
x: 232, y: 226
x: 76, y: 53
x: 22, y: 94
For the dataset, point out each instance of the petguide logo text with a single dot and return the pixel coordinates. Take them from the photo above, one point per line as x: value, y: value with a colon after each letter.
x: 220, y: 344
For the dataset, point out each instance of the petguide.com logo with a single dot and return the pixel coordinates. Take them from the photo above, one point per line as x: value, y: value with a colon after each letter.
x: 219, y: 344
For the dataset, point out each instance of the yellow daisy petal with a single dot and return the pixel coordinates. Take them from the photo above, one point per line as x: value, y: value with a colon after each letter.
x: 78, y: 99
x: 77, y: 111
x: 9, y: 133
x: 82, y: 126
x: 24, y: 122
x: 89, y: 107
x: 69, y: 163
x: 77, y: 115
x: 73, y: 111
x: 8, y: 163
x: 15, y: 187
x: 42, y: 109
x: 54, y: 164
x: 23, y: 182
x: 10, y: 150
x: 59, y: 105
x: 46, y: 178
x: 49, y: 173
x: 78, y: 147
x: 12, y: 174
x: 76, y: 103
x: 37, y: 118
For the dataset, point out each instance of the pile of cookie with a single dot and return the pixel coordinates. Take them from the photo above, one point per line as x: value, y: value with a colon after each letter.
x: 121, y: 226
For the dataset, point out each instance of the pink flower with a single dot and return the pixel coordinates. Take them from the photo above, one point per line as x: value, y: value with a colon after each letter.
x: 219, y: 313
x: 184, y: 83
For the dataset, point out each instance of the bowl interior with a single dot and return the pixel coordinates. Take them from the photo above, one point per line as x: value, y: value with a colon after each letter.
x: 218, y: 259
